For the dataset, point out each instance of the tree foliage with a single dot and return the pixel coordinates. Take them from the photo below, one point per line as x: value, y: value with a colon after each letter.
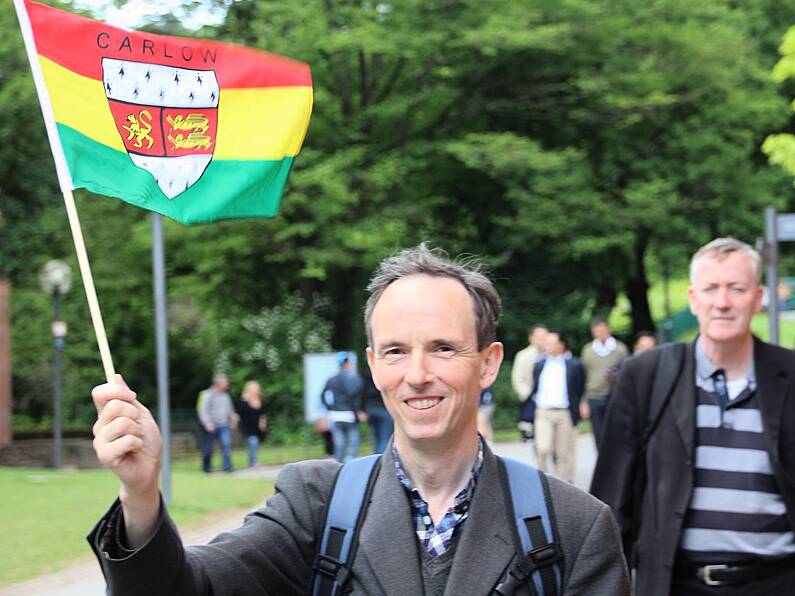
x: 780, y: 148
x: 580, y: 146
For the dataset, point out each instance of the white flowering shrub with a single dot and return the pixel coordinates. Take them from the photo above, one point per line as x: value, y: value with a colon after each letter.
x: 268, y: 347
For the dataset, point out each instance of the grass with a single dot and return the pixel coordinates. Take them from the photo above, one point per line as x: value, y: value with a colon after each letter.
x: 786, y: 329
x: 268, y: 455
x: 46, y: 514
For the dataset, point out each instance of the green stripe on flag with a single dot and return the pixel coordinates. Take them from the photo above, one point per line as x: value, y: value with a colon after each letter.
x: 227, y: 189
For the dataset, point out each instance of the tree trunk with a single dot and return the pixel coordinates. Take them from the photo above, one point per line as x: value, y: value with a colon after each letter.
x: 605, y: 300
x: 637, y: 290
x: 5, y: 362
x: 343, y: 307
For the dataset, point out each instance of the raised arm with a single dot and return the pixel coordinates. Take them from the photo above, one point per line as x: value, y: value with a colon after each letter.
x: 127, y: 440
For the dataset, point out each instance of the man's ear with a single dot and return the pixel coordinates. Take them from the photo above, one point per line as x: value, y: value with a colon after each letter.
x: 760, y: 292
x: 691, y: 291
x: 490, y: 366
x: 371, y: 364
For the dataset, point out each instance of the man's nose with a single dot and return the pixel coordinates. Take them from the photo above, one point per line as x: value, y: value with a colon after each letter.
x: 722, y: 298
x: 418, y: 373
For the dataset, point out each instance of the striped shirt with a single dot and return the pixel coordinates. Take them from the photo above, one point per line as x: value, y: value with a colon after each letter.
x: 436, y: 540
x: 736, y: 512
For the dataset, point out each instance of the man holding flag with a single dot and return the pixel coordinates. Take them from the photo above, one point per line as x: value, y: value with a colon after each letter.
x: 437, y: 522
x: 201, y: 131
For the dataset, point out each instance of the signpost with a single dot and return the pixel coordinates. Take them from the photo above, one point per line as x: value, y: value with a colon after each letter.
x: 779, y: 227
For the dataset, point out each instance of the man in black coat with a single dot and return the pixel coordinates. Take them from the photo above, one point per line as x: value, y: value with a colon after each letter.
x: 698, y: 461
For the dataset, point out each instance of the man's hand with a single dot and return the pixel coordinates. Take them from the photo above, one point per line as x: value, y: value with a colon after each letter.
x: 127, y: 440
x: 585, y: 410
x: 209, y: 427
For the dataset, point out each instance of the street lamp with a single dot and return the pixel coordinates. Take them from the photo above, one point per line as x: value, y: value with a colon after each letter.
x: 56, y: 278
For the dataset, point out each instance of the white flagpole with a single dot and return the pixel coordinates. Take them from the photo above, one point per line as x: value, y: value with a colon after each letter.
x: 65, y: 182
x: 64, y: 178
x: 88, y: 285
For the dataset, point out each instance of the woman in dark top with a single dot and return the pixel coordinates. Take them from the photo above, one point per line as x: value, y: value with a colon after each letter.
x: 253, y: 423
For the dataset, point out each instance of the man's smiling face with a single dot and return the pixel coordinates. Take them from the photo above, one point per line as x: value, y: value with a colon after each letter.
x: 425, y: 358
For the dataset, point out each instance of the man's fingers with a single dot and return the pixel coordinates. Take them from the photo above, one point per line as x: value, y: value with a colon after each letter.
x: 143, y: 411
x: 102, y: 394
x: 117, y: 408
x: 117, y: 439
x: 110, y: 454
x: 118, y: 427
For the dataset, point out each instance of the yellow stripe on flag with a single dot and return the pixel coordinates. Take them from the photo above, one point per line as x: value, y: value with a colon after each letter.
x: 266, y: 123
x: 262, y: 123
x: 80, y: 103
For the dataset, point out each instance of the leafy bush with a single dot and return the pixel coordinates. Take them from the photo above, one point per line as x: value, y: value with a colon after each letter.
x: 268, y: 347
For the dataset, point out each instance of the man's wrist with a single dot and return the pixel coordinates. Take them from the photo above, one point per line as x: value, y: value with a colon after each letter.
x: 141, y: 510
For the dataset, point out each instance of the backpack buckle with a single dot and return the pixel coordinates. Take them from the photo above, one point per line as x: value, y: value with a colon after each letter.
x: 331, y: 567
x: 543, y: 555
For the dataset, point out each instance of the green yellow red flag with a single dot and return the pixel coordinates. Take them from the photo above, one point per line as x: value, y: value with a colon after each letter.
x: 193, y: 129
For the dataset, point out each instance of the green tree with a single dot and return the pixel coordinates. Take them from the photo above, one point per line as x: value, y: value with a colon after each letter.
x: 780, y: 148
x: 578, y: 145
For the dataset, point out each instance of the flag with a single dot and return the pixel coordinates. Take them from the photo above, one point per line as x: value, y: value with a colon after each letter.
x: 193, y: 129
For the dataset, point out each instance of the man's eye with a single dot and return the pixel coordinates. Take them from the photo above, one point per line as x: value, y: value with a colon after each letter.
x: 392, y: 352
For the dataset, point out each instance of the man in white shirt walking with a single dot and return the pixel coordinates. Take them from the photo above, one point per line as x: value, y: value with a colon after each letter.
x: 559, y: 381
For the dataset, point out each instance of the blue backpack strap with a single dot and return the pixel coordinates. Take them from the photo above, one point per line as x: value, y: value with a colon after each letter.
x: 540, y: 557
x: 344, y: 516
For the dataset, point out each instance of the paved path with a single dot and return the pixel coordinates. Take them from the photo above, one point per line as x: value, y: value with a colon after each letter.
x: 86, y: 579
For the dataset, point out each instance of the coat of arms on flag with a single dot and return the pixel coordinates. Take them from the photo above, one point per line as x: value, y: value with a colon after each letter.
x: 167, y: 118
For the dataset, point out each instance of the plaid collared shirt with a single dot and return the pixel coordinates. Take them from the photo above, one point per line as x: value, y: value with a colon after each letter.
x: 436, y: 539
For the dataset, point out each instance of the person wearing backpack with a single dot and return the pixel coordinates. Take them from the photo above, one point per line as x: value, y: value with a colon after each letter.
x: 444, y: 515
x: 342, y: 396
x: 698, y: 460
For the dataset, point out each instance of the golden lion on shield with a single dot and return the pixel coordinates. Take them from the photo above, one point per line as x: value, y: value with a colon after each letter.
x: 190, y: 122
x: 193, y: 140
x: 139, y: 128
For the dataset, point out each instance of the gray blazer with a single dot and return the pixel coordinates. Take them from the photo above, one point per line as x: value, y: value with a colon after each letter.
x: 273, y: 552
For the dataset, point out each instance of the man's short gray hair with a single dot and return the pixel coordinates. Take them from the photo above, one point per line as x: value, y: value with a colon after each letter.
x: 720, y: 248
x: 435, y: 262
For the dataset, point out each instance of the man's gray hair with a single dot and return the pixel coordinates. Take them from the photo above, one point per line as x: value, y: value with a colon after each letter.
x: 720, y: 248
x: 435, y: 262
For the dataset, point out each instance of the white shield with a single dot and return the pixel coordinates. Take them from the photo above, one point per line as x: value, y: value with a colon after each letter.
x: 167, y: 118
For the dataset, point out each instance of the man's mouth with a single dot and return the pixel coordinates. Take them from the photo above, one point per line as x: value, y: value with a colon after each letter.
x: 423, y: 404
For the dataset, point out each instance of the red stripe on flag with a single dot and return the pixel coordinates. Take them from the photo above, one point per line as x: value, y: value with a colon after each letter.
x: 79, y: 44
